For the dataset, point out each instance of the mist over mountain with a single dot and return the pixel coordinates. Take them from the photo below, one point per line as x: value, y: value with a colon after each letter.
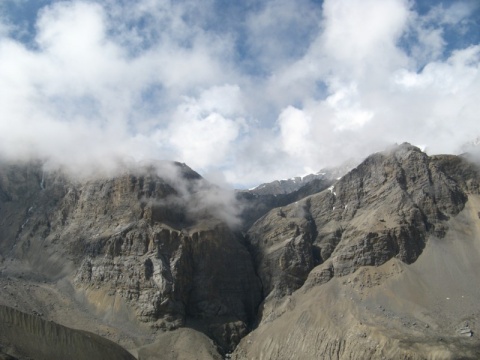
x: 245, y: 93
x: 380, y: 263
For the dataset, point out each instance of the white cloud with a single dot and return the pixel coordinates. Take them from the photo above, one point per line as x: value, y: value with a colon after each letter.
x: 77, y: 98
x: 357, y: 33
x: 455, y: 13
x: 226, y: 99
x: 348, y: 111
x: 202, y: 131
x: 440, y: 101
x: 295, y: 130
x: 374, y: 93
x: 261, y: 94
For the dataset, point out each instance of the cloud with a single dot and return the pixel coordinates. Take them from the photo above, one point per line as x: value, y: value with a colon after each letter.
x: 375, y: 90
x: 77, y: 98
x: 453, y: 14
x: 5, y: 27
x: 68, y: 97
x: 280, y: 31
x: 441, y: 98
x: 202, y: 131
x: 355, y: 33
x: 347, y: 109
x: 294, y: 128
x: 195, y: 201
x: 248, y: 92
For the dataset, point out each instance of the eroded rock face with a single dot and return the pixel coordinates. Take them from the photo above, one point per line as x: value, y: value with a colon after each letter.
x: 427, y: 309
x: 30, y: 337
x: 146, y: 238
x: 384, y: 208
x: 204, y: 274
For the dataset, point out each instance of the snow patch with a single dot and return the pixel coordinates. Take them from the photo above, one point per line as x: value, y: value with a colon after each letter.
x: 25, y: 223
x: 422, y: 147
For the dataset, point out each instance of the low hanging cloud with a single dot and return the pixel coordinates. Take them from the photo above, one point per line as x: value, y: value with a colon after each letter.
x: 245, y: 94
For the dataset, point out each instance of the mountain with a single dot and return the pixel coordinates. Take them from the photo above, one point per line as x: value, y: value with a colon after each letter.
x: 381, y: 263
x: 141, y: 253
x: 281, y: 187
x: 263, y: 198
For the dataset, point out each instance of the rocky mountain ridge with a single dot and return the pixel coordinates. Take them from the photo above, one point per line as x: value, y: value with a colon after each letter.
x: 355, y: 218
x: 157, y: 255
x: 287, y: 186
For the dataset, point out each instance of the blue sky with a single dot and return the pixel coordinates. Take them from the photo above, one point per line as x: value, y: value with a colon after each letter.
x: 242, y: 91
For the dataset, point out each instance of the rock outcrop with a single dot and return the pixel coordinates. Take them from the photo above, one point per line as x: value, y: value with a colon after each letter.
x: 30, y: 337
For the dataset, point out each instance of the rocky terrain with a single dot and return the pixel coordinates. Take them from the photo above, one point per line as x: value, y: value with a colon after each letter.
x: 28, y: 335
x: 381, y: 263
x: 287, y: 186
x: 268, y: 196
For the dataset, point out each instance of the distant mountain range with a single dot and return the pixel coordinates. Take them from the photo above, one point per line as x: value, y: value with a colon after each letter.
x: 281, y: 187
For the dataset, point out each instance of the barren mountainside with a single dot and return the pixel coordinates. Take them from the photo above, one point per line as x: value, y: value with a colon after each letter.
x: 381, y: 263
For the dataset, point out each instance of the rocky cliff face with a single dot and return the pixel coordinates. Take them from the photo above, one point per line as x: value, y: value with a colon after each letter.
x: 384, y: 208
x: 335, y: 265
x: 158, y: 248
x: 140, y: 237
x: 34, y: 338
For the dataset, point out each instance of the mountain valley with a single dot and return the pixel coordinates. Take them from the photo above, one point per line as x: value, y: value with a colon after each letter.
x: 157, y: 263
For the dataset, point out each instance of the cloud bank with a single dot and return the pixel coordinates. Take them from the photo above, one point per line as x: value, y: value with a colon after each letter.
x: 244, y: 92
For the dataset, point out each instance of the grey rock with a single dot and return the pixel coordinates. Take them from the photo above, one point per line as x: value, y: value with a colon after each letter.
x: 35, y: 338
x: 146, y: 235
x: 384, y: 208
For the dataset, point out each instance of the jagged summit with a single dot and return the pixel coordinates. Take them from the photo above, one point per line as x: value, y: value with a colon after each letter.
x: 287, y: 186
